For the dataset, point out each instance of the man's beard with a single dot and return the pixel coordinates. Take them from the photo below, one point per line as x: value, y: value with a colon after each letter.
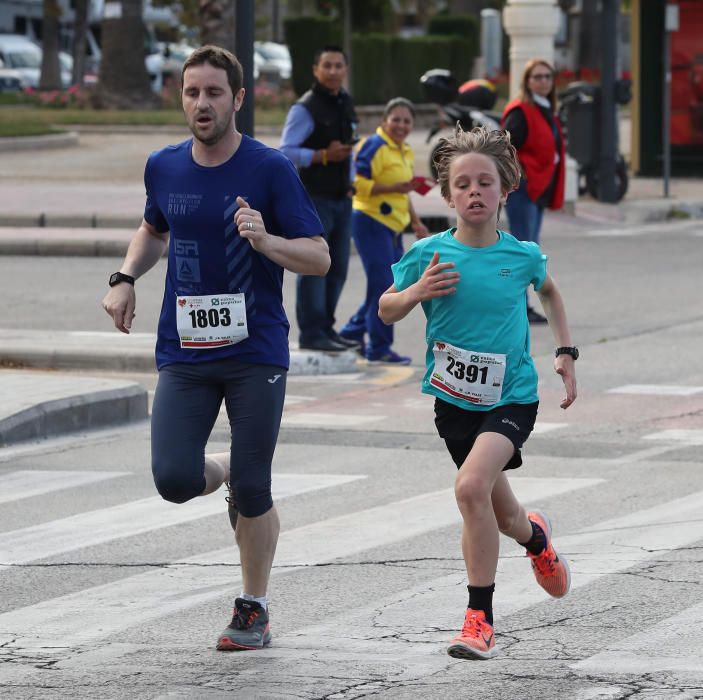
x: 219, y: 130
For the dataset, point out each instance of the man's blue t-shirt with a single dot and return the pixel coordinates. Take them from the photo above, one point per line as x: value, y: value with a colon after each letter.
x: 196, y: 204
x: 487, y: 314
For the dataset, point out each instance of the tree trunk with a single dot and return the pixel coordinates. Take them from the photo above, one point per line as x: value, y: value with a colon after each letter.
x: 80, y: 29
x: 124, y: 81
x: 217, y: 23
x: 50, y: 78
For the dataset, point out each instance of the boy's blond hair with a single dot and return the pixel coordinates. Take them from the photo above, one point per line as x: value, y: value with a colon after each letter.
x: 494, y: 144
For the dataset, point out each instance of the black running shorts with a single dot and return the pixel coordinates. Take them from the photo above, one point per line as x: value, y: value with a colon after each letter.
x: 460, y: 427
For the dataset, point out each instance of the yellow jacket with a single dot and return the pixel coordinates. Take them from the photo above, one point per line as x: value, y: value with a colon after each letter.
x: 381, y: 160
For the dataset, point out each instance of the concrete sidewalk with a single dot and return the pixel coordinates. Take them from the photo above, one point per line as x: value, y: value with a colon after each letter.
x: 113, y: 351
x: 67, y: 207
x: 98, y: 183
x: 37, y: 405
x: 89, y: 219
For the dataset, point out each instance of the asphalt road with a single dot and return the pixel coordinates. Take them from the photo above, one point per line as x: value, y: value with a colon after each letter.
x: 107, y: 594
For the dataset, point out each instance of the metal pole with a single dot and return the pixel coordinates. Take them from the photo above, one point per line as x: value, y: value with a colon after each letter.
x: 671, y: 24
x: 608, y: 109
x: 275, y: 21
x: 666, y: 115
x: 346, y: 42
x: 244, y: 42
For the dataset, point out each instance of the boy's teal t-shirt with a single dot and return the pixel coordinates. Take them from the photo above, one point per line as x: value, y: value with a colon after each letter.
x: 486, y: 315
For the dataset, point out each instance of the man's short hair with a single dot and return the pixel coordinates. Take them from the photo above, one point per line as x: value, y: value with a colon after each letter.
x: 219, y: 58
x: 329, y: 48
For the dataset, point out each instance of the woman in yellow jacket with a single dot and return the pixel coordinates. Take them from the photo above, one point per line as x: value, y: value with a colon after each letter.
x: 381, y: 211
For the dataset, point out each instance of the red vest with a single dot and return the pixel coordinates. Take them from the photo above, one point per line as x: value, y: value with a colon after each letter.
x: 537, y: 153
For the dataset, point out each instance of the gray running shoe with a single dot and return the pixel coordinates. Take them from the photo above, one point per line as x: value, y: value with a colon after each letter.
x: 249, y: 628
x: 232, y: 509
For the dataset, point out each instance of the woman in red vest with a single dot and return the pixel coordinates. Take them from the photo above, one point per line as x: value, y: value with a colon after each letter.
x: 536, y: 133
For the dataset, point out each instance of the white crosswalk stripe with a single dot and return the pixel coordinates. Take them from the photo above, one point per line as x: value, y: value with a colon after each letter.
x: 329, y: 420
x: 96, y: 527
x: 601, y: 550
x: 656, y: 390
x: 673, y: 644
x: 85, y: 617
x: 80, y: 625
x: 685, y: 437
x: 27, y: 483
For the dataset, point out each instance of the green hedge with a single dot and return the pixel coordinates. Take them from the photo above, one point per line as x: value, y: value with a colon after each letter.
x: 454, y: 25
x: 383, y: 66
x: 389, y: 66
x: 304, y: 36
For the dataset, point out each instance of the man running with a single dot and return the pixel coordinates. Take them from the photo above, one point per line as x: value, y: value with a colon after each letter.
x: 233, y: 214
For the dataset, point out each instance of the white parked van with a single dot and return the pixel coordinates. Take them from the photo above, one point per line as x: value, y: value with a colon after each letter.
x: 20, y: 54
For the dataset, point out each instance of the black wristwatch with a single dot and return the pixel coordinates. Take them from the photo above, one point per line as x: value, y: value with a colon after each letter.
x: 117, y: 277
x: 566, y: 350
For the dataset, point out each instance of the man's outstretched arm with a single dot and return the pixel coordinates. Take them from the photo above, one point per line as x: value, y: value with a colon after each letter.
x: 145, y: 250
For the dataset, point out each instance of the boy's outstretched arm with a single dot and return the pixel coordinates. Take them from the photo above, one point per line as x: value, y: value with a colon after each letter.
x: 554, y: 310
x: 437, y: 281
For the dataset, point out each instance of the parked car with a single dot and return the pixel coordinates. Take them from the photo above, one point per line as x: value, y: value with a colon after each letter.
x: 174, y: 56
x: 19, y: 53
x: 274, y: 60
x: 10, y: 79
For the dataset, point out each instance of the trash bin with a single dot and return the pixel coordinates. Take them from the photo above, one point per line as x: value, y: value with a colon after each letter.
x: 580, y: 111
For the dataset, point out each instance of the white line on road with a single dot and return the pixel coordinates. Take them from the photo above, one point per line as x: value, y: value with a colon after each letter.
x: 110, y: 334
x: 656, y: 390
x: 97, y: 527
x: 542, y: 428
x: 672, y: 644
x: 687, y: 437
x: 640, y: 455
x: 81, y: 618
x: 329, y: 420
x: 350, y: 378
x: 27, y: 483
x: 615, y: 545
x: 644, y: 229
x: 388, y: 626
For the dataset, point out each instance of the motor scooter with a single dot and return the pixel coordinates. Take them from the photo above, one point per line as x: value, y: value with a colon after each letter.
x: 468, y: 105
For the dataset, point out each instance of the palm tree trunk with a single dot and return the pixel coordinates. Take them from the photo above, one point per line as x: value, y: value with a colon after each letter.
x: 217, y: 23
x: 80, y: 29
x: 124, y: 81
x: 50, y: 78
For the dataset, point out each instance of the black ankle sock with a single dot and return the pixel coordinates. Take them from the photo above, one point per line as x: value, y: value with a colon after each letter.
x: 537, y: 542
x: 481, y: 598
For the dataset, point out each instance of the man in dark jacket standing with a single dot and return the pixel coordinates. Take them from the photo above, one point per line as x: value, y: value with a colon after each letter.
x: 318, y: 137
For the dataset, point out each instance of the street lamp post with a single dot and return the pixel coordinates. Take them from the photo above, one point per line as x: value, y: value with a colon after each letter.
x: 608, y: 112
x: 671, y: 24
x: 244, y: 41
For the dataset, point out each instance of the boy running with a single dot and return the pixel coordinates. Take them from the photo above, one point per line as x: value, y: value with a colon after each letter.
x: 471, y: 282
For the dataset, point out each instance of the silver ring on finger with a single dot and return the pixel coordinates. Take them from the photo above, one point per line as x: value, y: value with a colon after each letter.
x: 250, y: 225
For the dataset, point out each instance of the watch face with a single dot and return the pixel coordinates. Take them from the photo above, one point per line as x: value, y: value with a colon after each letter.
x: 117, y: 277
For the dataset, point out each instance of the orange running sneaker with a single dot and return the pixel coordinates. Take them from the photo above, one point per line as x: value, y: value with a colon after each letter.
x: 475, y: 641
x: 551, y: 571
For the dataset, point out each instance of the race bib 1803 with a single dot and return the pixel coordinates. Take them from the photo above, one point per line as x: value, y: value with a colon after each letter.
x: 211, y: 321
x: 476, y: 377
